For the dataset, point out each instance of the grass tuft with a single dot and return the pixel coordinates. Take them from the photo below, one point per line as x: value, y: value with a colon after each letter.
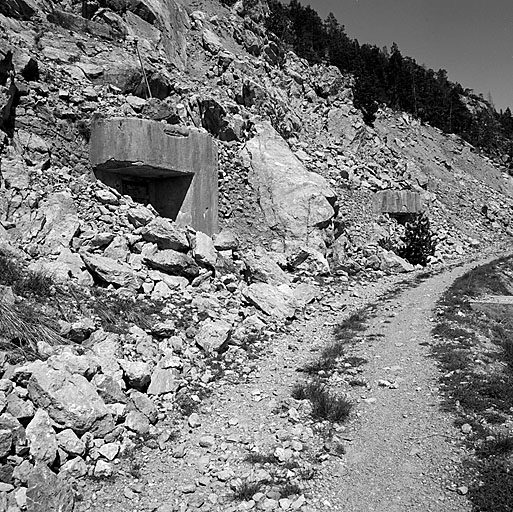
x: 22, y: 330
x: 23, y: 282
x: 290, y: 489
x: 501, y: 445
x: 326, y: 405
x: 245, y: 490
x: 261, y: 458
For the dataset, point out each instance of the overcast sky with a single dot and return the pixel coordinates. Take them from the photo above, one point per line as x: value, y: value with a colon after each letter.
x: 471, y: 39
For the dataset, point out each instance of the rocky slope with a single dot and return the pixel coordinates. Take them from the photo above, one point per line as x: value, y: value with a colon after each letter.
x: 149, y: 311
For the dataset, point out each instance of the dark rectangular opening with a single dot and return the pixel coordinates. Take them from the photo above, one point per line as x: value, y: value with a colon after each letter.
x: 137, y: 190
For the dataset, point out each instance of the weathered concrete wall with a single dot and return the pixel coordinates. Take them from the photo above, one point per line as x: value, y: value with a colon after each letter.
x: 398, y: 202
x: 174, y: 168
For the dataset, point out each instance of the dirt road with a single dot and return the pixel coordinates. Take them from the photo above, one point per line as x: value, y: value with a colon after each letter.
x: 405, y: 450
x: 402, y: 451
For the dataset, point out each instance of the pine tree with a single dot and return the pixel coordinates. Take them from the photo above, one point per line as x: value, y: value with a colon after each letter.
x: 418, y: 243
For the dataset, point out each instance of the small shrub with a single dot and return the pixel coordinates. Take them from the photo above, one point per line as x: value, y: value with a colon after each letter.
x: 388, y: 244
x: 261, y: 458
x: 501, y: 445
x: 495, y: 488
x: 327, y: 360
x: 418, y: 244
x: 246, y: 490
x: 23, y: 282
x: 326, y: 405
x: 290, y: 489
x: 84, y: 129
x: 34, y: 283
x: 357, y: 382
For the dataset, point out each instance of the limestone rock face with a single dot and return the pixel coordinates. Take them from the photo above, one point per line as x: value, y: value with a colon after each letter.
x: 297, y: 204
x: 70, y: 399
x: 166, y: 16
x: 112, y: 271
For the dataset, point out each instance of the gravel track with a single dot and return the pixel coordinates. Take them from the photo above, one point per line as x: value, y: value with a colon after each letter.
x: 405, y: 450
x: 402, y: 451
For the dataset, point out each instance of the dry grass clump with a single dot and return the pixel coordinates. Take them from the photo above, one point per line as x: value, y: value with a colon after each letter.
x: 23, y: 329
x: 326, y: 405
x: 245, y: 490
x: 24, y: 282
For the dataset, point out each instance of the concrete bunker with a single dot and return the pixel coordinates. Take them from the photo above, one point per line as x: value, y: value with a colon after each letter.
x: 399, y: 204
x: 172, y: 168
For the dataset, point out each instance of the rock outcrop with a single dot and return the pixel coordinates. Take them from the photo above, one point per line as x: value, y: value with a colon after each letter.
x: 297, y: 204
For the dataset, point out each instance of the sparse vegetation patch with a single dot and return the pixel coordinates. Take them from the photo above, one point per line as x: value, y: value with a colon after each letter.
x: 475, y: 353
x: 326, y: 405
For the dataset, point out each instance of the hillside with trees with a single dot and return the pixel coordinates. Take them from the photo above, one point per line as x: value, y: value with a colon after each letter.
x: 387, y: 77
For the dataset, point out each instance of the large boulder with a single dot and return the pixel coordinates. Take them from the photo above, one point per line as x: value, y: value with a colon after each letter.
x: 173, y: 262
x: 166, y: 234
x: 163, y: 381
x: 12, y: 433
x: 213, y: 335
x: 48, y: 493
x: 60, y: 223
x: 112, y: 271
x: 107, y: 347
x: 204, y: 250
x: 70, y: 399
x: 297, y: 204
x: 6, y: 439
x: 262, y: 267
x: 394, y: 264
x: 41, y: 438
x: 277, y: 301
x: 137, y: 373
x: 345, y: 124
x: 328, y: 81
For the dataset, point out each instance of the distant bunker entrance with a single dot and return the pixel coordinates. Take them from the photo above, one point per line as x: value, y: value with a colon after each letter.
x: 402, y: 205
x: 172, y: 168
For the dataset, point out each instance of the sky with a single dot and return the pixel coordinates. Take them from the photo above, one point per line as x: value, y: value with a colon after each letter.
x: 471, y: 39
